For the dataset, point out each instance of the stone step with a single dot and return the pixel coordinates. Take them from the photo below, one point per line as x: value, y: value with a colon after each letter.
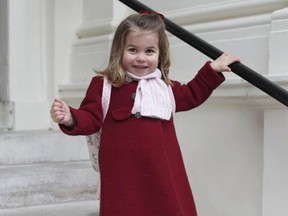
x: 83, y: 208
x: 47, y: 183
x: 41, y: 147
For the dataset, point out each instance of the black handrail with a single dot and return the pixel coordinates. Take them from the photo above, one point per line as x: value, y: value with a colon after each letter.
x: 238, y: 68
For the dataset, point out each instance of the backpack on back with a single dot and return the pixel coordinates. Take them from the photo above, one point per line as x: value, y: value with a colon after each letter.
x: 93, y: 140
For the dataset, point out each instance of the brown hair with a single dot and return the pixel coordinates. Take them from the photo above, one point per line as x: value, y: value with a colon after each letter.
x: 147, y: 22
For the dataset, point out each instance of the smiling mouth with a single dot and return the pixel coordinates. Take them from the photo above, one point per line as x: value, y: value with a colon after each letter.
x: 140, y: 66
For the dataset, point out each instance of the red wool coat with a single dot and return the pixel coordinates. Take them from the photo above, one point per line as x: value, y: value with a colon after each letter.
x: 142, y: 171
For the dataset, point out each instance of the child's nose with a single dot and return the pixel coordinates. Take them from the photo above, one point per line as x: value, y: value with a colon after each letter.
x: 140, y: 57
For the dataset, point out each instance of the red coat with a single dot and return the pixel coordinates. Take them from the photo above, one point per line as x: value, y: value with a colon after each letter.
x: 142, y: 171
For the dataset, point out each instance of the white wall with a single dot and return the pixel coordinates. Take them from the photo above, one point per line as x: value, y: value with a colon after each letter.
x: 275, y: 176
x: 222, y: 148
x: 68, y: 17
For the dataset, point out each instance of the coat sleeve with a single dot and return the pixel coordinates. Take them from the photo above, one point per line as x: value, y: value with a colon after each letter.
x: 89, y: 115
x: 198, y: 90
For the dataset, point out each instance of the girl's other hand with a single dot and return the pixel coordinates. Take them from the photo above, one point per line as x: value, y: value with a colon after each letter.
x: 221, y: 63
x: 60, y: 113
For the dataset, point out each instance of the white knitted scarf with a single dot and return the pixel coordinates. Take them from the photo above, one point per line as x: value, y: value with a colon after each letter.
x: 153, y: 97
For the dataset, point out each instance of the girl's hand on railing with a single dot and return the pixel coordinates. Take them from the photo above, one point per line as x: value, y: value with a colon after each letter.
x: 221, y: 64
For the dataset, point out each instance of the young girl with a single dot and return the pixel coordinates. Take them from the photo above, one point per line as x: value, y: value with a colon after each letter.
x: 142, y: 171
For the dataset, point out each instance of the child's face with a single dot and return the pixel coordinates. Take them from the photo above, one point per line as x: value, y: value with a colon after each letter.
x: 141, y: 52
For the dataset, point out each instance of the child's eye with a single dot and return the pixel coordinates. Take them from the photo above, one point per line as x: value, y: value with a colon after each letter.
x: 150, y: 51
x: 132, y: 50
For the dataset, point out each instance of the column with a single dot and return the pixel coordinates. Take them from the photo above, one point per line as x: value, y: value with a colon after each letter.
x: 30, y: 63
x: 275, y: 175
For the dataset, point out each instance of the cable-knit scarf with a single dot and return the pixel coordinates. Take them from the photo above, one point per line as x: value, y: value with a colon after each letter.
x: 153, y: 97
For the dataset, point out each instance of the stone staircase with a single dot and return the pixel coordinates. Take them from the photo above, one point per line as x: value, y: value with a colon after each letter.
x: 46, y: 173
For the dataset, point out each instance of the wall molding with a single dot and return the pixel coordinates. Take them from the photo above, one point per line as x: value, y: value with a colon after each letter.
x: 225, y: 16
x: 239, y: 91
x: 95, y: 28
x: 224, y: 10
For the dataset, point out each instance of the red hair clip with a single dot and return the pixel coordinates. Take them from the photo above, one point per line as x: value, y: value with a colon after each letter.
x: 149, y: 12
